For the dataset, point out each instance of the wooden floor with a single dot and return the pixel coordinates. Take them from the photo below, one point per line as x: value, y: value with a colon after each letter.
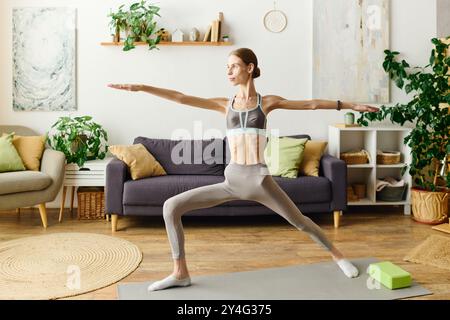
x: 216, y: 245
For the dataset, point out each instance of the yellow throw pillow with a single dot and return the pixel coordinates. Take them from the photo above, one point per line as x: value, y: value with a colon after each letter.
x: 311, y: 158
x: 142, y: 163
x: 30, y: 149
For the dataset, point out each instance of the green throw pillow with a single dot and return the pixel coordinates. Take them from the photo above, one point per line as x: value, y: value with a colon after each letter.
x: 283, y: 155
x: 9, y: 157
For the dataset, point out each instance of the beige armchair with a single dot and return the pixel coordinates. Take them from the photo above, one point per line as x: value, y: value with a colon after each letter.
x: 28, y: 188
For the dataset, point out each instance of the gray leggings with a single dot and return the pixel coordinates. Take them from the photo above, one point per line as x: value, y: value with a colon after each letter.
x: 245, y: 182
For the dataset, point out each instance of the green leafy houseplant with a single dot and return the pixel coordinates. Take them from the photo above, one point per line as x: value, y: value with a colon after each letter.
x: 79, y: 138
x: 118, y: 22
x: 429, y: 109
x: 139, y: 20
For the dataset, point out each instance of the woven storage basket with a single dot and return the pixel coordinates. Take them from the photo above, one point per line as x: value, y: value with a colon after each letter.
x: 355, y: 157
x: 360, y: 190
x: 388, y: 157
x: 91, y: 203
x: 351, y: 196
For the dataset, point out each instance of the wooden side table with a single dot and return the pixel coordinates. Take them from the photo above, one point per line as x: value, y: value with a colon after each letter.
x: 92, y: 174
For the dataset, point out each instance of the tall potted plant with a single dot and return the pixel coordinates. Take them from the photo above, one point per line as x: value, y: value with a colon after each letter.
x: 79, y: 138
x: 429, y: 111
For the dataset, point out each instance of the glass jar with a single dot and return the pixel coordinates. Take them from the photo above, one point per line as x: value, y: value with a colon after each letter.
x: 349, y: 118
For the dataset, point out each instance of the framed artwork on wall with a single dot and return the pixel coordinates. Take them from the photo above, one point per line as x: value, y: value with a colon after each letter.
x: 275, y: 20
x: 349, y: 39
x: 44, y: 59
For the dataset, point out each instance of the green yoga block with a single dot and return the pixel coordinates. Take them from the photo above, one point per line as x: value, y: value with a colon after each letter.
x: 390, y: 275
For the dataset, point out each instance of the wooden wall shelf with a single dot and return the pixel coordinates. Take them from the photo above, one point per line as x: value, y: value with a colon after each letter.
x: 169, y: 43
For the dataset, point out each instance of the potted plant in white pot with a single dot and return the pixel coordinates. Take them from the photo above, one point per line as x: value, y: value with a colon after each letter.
x: 429, y: 111
x: 79, y: 138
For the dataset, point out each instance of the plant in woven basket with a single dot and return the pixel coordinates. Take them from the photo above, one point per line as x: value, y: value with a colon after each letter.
x: 428, y: 110
x: 79, y: 138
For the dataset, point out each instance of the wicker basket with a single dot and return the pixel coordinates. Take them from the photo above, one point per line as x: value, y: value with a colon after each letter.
x: 355, y: 157
x: 351, y: 196
x: 388, y: 157
x: 360, y: 190
x: 91, y: 203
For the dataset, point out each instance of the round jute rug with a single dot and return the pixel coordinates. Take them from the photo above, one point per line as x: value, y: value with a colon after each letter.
x: 64, y: 264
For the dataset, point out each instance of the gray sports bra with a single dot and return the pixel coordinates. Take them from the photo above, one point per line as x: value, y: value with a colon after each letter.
x: 252, y: 120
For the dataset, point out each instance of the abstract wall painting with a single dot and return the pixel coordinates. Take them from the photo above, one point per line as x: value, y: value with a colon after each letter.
x: 349, y: 39
x: 44, y: 59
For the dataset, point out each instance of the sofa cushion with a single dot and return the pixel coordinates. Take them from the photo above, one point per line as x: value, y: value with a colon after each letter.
x: 284, y: 155
x: 299, y: 190
x: 30, y: 149
x: 190, y: 157
x: 156, y: 190
x: 312, y: 154
x: 306, y: 189
x: 142, y: 164
x: 10, y: 159
x: 22, y: 181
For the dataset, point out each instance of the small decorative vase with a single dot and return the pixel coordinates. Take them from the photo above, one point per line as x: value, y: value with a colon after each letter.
x: 194, y: 34
x: 349, y: 118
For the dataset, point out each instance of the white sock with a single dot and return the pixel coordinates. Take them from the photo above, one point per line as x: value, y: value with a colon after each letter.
x: 349, y: 269
x: 170, y: 281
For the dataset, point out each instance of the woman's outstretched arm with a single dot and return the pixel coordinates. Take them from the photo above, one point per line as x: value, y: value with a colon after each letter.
x: 217, y: 104
x: 314, y: 104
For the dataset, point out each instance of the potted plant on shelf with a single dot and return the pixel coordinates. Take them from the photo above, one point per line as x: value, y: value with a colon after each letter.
x: 79, y: 138
x: 139, y: 21
x: 118, y: 23
x: 429, y: 139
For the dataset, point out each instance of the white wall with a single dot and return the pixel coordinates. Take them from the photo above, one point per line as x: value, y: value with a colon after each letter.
x: 284, y: 58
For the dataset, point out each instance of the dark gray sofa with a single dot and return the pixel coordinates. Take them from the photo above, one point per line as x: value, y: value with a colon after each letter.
x: 145, y: 197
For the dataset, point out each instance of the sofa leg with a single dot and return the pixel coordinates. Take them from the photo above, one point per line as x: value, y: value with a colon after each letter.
x: 114, y: 218
x: 337, y: 214
x: 43, y: 213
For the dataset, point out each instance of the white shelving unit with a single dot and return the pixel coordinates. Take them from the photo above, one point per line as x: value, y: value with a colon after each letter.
x: 371, y: 139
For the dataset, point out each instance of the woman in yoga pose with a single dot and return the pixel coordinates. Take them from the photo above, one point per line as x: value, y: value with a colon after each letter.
x: 246, y: 176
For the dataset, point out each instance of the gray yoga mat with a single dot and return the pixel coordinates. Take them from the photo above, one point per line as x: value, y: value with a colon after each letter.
x: 318, y: 281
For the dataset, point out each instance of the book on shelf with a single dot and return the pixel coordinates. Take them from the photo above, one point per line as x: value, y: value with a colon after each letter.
x: 220, y: 25
x: 219, y: 29
x: 214, y: 31
x: 207, y: 36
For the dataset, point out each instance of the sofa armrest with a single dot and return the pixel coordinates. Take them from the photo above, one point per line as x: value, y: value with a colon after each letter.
x: 116, y: 176
x: 336, y: 171
x: 53, y: 163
